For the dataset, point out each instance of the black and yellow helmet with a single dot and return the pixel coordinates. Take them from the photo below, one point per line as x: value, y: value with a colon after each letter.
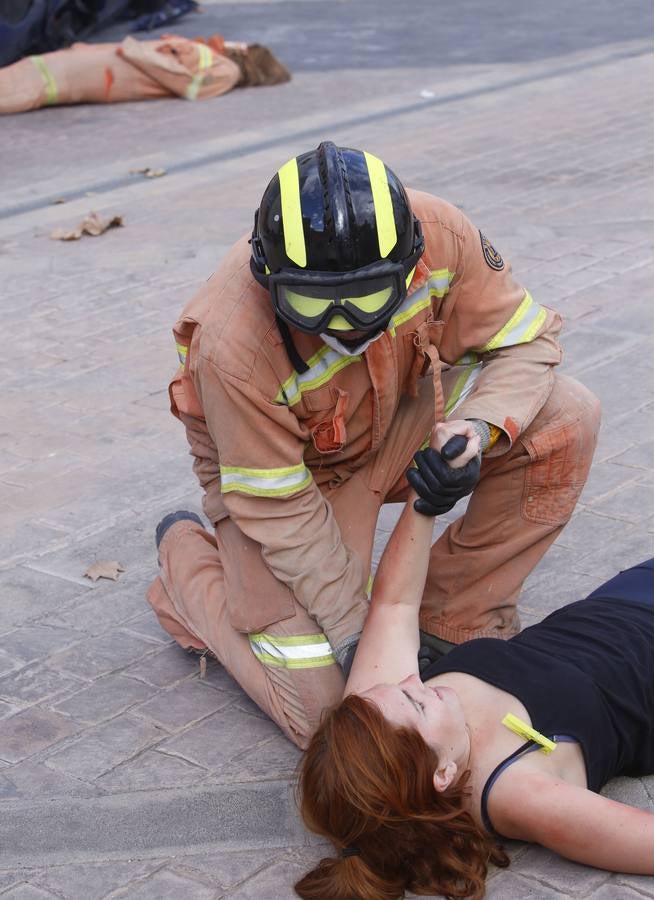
x: 335, y: 241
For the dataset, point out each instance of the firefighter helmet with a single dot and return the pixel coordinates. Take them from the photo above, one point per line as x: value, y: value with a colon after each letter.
x: 335, y: 241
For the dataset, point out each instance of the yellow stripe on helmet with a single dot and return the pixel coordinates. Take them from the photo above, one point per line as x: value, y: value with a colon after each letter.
x: 381, y: 197
x: 289, y: 187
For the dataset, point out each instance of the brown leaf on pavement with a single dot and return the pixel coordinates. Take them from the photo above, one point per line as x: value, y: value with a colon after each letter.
x: 104, y: 568
x: 92, y: 224
x: 63, y: 234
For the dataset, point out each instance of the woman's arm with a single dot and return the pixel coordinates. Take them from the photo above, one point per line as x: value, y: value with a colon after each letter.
x: 576, y: 823
x: 388, y: 649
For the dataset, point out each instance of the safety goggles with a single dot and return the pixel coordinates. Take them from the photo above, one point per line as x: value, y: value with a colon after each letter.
x: 365, y: 298
x: 364, y: 302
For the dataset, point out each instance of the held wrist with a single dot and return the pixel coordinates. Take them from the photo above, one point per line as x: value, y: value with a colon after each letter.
x: 482, y: 430
x: 488, y: 433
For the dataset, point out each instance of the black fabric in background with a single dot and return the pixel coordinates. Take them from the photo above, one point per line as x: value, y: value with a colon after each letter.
x: 39, y: 26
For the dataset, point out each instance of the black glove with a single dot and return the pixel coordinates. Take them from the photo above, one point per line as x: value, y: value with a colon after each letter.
x: 438, y: 485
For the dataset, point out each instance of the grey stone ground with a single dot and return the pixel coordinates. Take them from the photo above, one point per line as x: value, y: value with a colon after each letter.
x: 121, y: 773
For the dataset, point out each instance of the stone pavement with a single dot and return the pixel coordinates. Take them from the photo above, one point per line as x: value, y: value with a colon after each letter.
x: 122, y: 774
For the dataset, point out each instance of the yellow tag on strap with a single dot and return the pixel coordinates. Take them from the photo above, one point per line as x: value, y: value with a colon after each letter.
x: 517, y: 726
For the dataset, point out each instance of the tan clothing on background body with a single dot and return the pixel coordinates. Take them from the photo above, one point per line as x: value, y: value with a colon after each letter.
x: 114, y: 73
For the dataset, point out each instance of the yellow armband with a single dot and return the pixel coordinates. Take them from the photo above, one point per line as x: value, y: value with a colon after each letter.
x: 517, y: 726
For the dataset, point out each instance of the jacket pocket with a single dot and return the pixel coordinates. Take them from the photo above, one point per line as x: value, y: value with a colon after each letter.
x: 556, y: 474
x: 255, y: 597
x: 319, y: 399
x: 183, y: 396
x: 329, y: 435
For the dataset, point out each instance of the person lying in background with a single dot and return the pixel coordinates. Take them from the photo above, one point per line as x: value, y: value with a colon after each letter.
x: 171, y: 66
x: 417, y: 781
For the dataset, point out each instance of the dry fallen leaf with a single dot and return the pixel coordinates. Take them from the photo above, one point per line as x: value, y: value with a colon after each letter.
x: 61, y: 234
x: 104, y: 568
x: 92, y: 224
x: 148, y: 172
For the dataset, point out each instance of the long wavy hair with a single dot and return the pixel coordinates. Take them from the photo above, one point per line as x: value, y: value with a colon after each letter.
x: 365, y: 784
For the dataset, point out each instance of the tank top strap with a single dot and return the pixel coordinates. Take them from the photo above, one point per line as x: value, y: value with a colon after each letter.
x: 492, y: 778
x: 527, y: 747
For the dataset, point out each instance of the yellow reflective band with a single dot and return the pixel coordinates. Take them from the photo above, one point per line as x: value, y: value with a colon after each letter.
x: 206, y: 57
x: 193, y: 88
x: 467, y: 359
x: 381, y: 198
x: 205, y: 61
x: 409, y: 310
x: 182, y: 352
x: 438, y: 285
x: 462, y: 387
x: 439, y: 282
x: 522, y: 327
x: 532, y: 330
x: 371, y: 579
x: 409, y: 277
x: 323, y: 365
x: 301, y: 651
x: 370, y: 302
x: 281, y: 482
x: 289, y: 187
x: 51, y: 91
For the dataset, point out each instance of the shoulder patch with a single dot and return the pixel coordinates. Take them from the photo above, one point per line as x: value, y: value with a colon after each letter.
x: 492, y: 257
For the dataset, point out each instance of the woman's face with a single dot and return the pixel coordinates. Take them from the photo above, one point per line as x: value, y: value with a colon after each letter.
x: 433, y: 711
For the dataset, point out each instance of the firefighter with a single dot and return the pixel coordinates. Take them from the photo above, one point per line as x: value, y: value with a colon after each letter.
x: 315, y: 363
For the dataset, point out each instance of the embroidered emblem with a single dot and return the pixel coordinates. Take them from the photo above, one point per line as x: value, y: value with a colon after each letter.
x: 491, y: 255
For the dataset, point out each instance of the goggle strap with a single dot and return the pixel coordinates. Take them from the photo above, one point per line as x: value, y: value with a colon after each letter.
x: 259, y: 276
x: 258, y: 258
x: 296, y: 360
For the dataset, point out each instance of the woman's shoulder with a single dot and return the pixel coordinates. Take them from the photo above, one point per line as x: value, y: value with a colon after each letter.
x: 503, y: 785
x: 494, y: 745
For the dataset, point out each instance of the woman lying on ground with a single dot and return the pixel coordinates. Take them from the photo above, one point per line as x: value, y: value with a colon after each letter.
x: 416, y: 782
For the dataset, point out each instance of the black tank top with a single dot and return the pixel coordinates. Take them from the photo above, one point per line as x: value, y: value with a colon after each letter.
x: 586, y: 671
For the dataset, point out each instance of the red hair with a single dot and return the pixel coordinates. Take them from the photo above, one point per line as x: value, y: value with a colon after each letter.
x: 364, y: 783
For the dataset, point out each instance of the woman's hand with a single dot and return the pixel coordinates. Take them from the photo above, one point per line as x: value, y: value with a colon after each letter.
x: 443, y: 439
x: 447, y: 470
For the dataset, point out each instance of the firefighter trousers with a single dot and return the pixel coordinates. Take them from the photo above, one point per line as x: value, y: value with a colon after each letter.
x: 477, y: 566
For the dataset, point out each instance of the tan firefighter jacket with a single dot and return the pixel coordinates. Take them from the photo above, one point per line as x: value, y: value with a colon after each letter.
x: 265, y: 438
